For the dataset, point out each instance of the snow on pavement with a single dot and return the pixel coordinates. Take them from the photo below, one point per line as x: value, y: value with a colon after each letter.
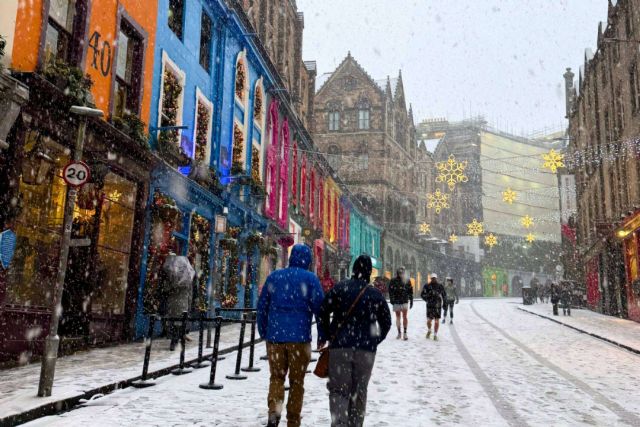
x: 496, y: 366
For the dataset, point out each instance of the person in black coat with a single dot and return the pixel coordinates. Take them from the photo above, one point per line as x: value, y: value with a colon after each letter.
x: 555, y: 298
x: 401, y: 298
x: 434, y: 295
x: 353, y: 341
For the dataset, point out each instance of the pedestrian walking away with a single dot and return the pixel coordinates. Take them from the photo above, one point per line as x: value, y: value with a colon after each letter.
x: 451, y: 299
x: 555, y: 298
x: 565, y: 299
x: 434, y: 295
x: 289, y: 299
x: 176, y: 281
x: 401, y: 299
x: 357, y: 318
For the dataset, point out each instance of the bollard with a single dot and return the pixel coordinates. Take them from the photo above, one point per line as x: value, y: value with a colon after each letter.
x: 236, y: 375
x: 200, y: 363
x: 252, y: 368
x: 211, y: 385
x: 144, y: 382
x: 183, y: 331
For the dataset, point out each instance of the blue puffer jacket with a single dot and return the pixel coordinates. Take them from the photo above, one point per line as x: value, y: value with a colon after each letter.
x: 289, y: 299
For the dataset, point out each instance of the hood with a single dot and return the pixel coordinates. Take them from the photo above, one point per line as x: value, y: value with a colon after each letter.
x: 362, y: 268
x: 300, y: 256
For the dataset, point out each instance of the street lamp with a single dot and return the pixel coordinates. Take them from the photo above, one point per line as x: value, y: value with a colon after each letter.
x: 52, y: 342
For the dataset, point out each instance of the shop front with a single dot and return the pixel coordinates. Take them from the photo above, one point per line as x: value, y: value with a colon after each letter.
x: 98, y: 300
x: 629, y: 233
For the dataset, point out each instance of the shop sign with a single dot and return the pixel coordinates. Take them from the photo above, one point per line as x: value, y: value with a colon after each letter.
x: 76, y: 173
x: 7, y: 247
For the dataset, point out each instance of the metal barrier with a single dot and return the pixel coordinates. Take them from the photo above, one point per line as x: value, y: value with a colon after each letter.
x: 200, y: 363
x: 183, y: 333
x: 237, y: 375
x: 251, y: 368
x: 211, y: 385
x: 144, y: 382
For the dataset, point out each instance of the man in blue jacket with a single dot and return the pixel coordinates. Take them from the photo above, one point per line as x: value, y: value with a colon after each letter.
x: 289, y: 299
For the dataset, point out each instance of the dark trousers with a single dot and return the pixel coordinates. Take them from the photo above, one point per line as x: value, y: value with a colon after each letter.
x: 349, y: 374
x: 448, y: 306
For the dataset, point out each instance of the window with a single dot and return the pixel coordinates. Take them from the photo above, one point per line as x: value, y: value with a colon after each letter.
x: 363, y: 119
x: 176, y: 21
x: 205, y: 42
x: 171, y: 99
x: 334, y: 120
x: 202, y: 137
x: 62, y: 34
x: 128, y: 67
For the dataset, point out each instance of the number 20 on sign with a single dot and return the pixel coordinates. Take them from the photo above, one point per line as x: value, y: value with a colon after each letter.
x: 75, y: 174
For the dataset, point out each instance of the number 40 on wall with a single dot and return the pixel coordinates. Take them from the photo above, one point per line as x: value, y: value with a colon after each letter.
x: 100, y: 49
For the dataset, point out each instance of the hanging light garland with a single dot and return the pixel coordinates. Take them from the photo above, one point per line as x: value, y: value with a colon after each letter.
x: 438, y: 201
x: 527, y: 221
x: 451, y: 172
x: 553, y: 160
x: 475, y: 228
x: 425, y: 228
x: 453, y: 238
x: 491, y: 240
x: 509, y: 196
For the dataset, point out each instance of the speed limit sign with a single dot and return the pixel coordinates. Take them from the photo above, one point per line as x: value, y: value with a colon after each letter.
x: 76, y: 174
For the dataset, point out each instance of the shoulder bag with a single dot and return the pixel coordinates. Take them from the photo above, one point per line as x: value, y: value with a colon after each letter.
x: 322, y: 366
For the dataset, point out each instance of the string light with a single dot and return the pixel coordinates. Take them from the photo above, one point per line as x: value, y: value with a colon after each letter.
x: 491, y: 240
x: 530, y: 238
x: 425, y: 228
x: 453, y: 238
x: 553, y: 160
x: 438, y: 201
x: 451, y: 172
x: 509, y: 196
x: 475, y: 228
x: 527, y: 221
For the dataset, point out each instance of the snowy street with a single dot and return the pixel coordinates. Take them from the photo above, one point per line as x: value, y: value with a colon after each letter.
x: 496, y: 365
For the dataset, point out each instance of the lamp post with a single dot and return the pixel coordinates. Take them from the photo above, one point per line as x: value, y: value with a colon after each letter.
x: 52, y: 341
x: 220, y: 227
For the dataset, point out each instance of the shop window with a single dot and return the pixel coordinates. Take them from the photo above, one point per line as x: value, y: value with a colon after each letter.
x: 64, y: 30
x: 128, y: 71
x: 205, y: 41
x: 38, y: 232
x: 171, y: 100
x: 176, y: 18
x: 199, y: 256
x: 202, y: 138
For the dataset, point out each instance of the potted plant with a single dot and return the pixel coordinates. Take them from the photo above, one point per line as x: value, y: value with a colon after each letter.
x: 134, y: 127
x: 71, y: 81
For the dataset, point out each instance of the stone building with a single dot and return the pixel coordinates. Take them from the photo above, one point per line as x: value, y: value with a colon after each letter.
x: 367, y: 132
x: 603, y: 113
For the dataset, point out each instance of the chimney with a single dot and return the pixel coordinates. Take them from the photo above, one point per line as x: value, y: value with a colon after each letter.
x: 568, y: 91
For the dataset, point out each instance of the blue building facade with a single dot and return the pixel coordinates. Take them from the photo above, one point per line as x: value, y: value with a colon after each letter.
x: 207, y: 124
x: 364, y: 238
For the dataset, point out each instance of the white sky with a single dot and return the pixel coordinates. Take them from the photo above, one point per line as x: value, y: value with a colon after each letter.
x: 500, y: 58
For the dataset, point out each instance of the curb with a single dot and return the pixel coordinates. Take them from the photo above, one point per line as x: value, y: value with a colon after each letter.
x: 67, y: 404
x: 600, y: 337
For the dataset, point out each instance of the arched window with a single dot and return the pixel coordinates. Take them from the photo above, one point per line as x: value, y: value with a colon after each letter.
x: 364, y: 111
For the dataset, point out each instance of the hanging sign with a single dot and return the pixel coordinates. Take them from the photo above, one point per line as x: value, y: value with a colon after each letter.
x: 76, y: 173
x: 7, y: 247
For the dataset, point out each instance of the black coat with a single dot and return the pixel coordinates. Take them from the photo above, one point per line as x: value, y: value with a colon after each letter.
x: 434, y: 294
x: 400, y: 292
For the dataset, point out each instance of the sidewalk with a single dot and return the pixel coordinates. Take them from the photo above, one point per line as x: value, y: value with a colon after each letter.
x: 621, y: 332
x: 80, y: 375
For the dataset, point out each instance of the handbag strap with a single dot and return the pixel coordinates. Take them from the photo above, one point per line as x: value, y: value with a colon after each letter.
x: 353, y: 305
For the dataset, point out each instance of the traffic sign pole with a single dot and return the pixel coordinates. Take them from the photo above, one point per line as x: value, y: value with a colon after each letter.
x: 52, y: 342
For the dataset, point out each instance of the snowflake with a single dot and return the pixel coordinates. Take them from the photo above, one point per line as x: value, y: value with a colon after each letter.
x: 553, y: 160
x: 425, y: 228
x: 491, y: 240
x: 530, y: 237
x: 438, y: 201
x: 451, y: 172
x: 475, y: 228
x: 527, y: 221
x: 453, y: 238
x: 509, y: 196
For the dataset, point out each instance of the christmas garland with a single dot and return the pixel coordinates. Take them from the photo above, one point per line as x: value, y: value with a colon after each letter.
x: 257, y: 109
x: 237, y: 167
x: 170, y: 105
x: 202, y: 131
x: 200, y: 244
x: 240, y: 80
x: 229, y: 295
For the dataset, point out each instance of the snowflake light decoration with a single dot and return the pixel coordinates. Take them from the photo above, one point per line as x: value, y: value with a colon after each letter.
x: 475, y: 228
x: 553, y: 160
x: 438, y: 201
x: 530, y: 237
x: 425, y: 228
x: 509, y: 196
x: 453, y: 238
x: 527, y: 221
x: 451, y: 172
x: 491, y: 240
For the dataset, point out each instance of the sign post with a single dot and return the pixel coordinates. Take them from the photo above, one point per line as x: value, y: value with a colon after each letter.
x: 75, y: 174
